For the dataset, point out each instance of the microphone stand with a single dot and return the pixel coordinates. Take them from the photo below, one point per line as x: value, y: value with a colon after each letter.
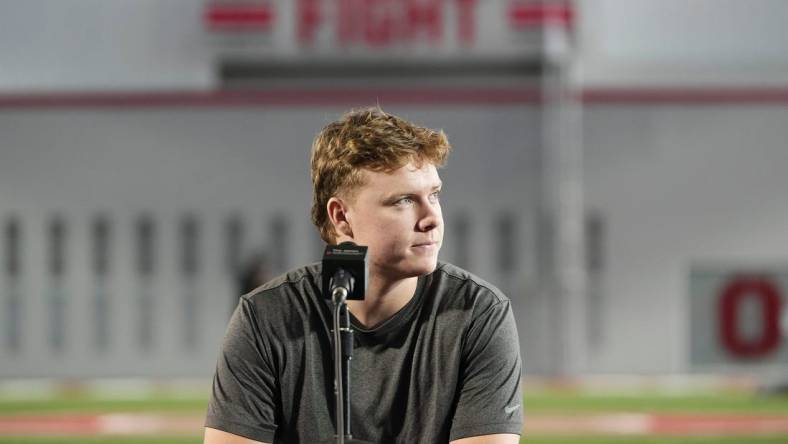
x: 344, y: 277
x: 343, y: 353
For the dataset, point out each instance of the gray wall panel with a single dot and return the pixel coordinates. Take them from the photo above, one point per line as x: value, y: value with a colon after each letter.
x: 212, y: 162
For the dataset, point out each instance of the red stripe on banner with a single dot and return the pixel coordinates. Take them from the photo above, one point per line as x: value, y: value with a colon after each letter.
x: 221, y: 17
x: 530, y: 14
x: 691, y: 96
x: 283, y: 97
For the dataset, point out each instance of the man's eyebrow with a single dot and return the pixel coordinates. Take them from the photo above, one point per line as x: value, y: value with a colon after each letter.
x: 394, y: 195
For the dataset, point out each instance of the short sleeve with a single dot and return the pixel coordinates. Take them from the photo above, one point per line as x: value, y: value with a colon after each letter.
x: 243, y: 398
x: 490, y: 399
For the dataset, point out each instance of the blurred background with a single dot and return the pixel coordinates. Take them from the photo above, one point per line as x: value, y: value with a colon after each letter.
x: 617, y: 172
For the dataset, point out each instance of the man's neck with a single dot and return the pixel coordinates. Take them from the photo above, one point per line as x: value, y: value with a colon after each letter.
x: 383, y: 299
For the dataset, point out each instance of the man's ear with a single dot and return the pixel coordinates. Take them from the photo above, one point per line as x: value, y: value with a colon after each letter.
x: 337, y: 213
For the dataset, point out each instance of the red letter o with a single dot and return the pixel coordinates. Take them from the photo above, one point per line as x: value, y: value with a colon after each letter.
x: 737, y: 290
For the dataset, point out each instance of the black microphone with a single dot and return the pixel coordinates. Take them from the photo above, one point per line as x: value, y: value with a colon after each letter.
x: 345, y: 271
x: 344, y: 277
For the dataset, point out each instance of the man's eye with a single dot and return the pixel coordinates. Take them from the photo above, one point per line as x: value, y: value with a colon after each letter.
x: 435, y: 196
x: 404, y: 201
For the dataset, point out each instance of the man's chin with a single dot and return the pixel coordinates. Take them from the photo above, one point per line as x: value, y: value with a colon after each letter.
x: 410, y: 267
x: 425, y: 267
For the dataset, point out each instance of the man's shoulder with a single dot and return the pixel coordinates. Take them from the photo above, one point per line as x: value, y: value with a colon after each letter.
x: 466, y: 287
x: 297, y: 282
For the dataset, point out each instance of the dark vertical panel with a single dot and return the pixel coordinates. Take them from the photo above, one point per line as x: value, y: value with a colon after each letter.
x: 145, y: 233
x: 13, y: 239
x: 234, y: 232
x: 145, y: 239
x: 190, y: 251
x: 279, y: 243
x: 189, y: 233
x: 57, y: 296
x: 506, y: 243
x: 100, y: 240
x: 233, y: 259
x: 595, y: 240
x: 545, y: 257
x: 13, y: 310
x: 595, y: 265
x: 461, y: 227
x: 57, y: 246
x: 100, y: 233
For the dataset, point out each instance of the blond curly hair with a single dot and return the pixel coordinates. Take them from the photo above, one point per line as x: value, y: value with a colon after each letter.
x: 366, y: 139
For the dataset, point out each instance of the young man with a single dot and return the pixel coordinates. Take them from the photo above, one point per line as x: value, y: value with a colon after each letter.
x: 436, y: 355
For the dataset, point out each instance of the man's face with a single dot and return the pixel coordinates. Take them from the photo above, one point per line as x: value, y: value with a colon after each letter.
x: 398, y: 216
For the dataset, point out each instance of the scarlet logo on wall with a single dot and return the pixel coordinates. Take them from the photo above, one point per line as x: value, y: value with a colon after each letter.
x: 239, y: 15
x: 761, y: 291
x: 432, y: 30
x: 525, y: 14
x: 738, y: 317
x: 380, y: 23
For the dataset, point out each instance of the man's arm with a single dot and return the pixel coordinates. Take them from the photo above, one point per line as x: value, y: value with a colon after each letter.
x: 489, y: 405
x: 243, y: 396
x: 214, y: 436
x: 498, y: 438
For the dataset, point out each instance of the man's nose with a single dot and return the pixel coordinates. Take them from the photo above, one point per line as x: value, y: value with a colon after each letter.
x: 430, y: 218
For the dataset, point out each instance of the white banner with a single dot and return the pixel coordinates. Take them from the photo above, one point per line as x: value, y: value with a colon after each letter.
x: 364, y: 30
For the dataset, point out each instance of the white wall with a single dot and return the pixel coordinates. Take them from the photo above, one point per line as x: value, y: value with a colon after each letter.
x: 676, y: 185
x: 673, y: 183
x: 652, y: 43
x: 76, y: 45
x: 213, y: 161
x: 51, y: 45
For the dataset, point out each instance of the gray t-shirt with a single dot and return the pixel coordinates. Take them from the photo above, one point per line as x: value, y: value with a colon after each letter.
x: 444, y: 367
